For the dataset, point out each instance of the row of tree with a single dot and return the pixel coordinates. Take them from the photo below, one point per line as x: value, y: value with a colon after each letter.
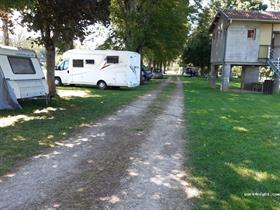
x: 156, y: 29
x: 161, y: 30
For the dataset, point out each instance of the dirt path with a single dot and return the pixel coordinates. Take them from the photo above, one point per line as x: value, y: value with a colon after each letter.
x: 118, y: 163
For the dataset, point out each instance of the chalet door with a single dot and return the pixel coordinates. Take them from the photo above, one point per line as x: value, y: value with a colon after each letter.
x: 276, y: 44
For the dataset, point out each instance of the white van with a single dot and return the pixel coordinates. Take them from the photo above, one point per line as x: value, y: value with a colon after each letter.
x: 99, y: 67
x: 21, y: 76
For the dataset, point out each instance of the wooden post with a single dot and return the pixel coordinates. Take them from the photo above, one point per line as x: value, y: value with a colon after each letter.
x: 276, y: 84
x: 213, y: 75
x: 225, y: 77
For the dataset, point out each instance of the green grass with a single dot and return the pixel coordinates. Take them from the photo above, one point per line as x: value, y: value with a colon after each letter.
x: 24, y: 133
x: 233, y: 147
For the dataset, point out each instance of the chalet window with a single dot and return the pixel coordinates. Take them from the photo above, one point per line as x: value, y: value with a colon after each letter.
x: 78, y: 63
x: 251, y: 34
x: 21, y: 65
x: 112, y: 59
x: 90, y: 61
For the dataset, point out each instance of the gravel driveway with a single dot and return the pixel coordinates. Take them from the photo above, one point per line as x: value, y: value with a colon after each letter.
x: 130, y: 160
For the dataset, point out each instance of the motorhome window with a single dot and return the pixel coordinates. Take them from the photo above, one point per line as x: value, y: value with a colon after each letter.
x: 78, y: 63
x: 90, y: 61
x: 21, y: 65
x: 65, y: 65
x: 112, y: 59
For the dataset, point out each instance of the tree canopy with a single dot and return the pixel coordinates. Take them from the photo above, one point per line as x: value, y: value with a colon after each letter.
x: 59, y: 22
x: 157, y: 28
x: 6, y: 7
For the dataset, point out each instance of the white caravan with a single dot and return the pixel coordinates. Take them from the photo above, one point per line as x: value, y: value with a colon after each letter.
x: 21, y: 76
x: 99, y: 67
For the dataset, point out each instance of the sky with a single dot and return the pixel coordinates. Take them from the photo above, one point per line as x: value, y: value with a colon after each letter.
x: 98, y: 36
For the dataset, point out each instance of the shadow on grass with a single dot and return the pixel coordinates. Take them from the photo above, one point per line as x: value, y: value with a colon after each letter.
x: 233, y: 146
x: 23, y: 133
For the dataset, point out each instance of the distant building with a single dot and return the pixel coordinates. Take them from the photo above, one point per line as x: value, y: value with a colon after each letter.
x: 250, y: 39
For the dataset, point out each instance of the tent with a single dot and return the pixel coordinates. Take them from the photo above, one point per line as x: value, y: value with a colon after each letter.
x: 8, y: 98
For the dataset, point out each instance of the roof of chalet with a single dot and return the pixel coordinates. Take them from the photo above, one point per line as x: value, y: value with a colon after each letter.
x: 249, y: 15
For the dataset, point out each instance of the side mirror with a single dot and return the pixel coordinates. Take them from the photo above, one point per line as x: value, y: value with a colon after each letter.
x: 57, y: 68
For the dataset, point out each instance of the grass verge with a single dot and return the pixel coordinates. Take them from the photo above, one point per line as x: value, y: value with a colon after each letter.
x: 24, y: 133
x: 233, y: 147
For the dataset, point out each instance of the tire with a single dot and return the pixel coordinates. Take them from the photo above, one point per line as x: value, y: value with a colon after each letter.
x: 102, y: 85
x: 57, y: 81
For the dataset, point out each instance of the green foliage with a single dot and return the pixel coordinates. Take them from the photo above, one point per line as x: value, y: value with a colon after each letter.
x: 59, y: 22
x: 15, y: 4
x: 198, y: 50
x: 238, y: 4
x: 156, y: 28
x: 6, y: 8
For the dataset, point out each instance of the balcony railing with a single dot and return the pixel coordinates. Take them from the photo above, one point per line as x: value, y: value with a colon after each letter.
x: 269, y: 52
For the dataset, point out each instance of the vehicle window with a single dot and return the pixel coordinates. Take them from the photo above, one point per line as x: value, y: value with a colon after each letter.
x: 78, y: 63
x: 90, y: 61
x: 112, y: 59
x: 65, y: 65
x: 157, y: 71
x: 21, y: 65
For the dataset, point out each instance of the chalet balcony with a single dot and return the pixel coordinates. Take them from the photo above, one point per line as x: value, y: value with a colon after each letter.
x: 269, y: 52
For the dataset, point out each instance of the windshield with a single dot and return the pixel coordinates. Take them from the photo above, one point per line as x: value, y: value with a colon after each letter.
x: 64, y: 65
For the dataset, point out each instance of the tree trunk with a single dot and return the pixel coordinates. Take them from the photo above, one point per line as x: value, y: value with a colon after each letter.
x: 164, y: 67
x: 5, y: 29
x: 150, y: 64
x: 50, y: 53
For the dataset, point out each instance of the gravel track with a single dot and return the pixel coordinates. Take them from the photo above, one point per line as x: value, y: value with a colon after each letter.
x: 117, y: 163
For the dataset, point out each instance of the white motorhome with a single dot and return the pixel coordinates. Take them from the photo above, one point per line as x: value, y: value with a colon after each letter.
x: 99, y: 67
x: 21, y: 76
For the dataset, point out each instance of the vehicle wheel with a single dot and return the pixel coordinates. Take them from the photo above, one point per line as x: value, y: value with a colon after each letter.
x: 57, y: 81
x: 102, y: 85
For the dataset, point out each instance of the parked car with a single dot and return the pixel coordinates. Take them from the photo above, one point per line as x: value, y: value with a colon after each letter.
x: 189, y: 72
x: 146, y: 73
x: 157, y: 74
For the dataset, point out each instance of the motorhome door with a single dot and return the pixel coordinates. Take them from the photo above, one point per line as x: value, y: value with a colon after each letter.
x: 63, y: 72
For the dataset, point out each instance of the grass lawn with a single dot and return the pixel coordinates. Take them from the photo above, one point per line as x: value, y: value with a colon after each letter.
x: 233, y: 147
x: 24, y: 133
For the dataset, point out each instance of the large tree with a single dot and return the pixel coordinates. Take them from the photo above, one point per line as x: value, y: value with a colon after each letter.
x: 167, y: 32
x: 157, y: 29
x: 6, y: 8
x: 60, y: 21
